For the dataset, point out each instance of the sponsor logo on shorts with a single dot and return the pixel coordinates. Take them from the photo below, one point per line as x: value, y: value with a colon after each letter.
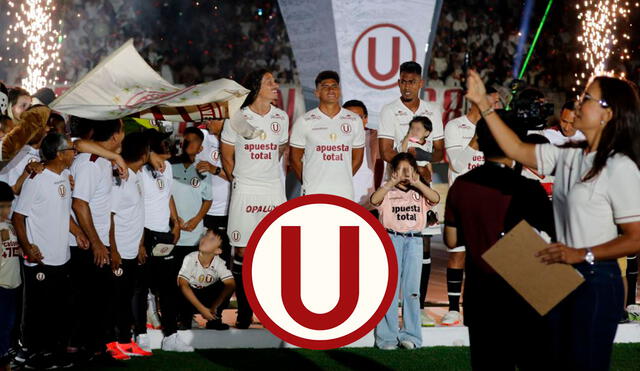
x: 235, y: 235
x: 62, y: 190
x: 40, y: 276
x: 118, y: 272
x: 195, y: 182
x: 251, y: 209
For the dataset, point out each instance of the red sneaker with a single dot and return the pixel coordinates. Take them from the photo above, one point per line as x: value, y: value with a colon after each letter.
x: 133, y: 349
x: 116, y: 353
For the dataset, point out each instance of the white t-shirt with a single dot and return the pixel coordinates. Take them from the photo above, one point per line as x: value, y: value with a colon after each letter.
x: 587, y: 213
x: 10, y: 253
x: 328, y: 143
x: 200, y: 277
x: 10, y: 173
x: 157, y: 194
x: 556, y: 137
x: 462, y: 158
x: 395, y: 118
x: 93, y: 177
x: 45, y: 201
x: 128, y: 206
x: 363, y: 181
x: 220, y: 188
x: 256, y: 160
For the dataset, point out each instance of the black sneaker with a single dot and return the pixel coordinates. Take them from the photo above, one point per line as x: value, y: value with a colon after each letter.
x: 243, y: 325
x: 64, y: 360
x: 217, y: 324
x: 41, y: 361
x: 22, y: 355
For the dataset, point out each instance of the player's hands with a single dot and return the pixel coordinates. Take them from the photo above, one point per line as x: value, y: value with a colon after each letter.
x: 82, y: 241
x: 72, y: 182
x: 34, y: 167
x: 561, y: 253
x: 157, y: 162
x: 190, y: 225
x: 208, y: 314
x: 414, y: 178
x: 205, y: 167
x: 33, y: 254
x: 142, y: 255
x: 395, y: 179
x: 122, y: 167
x: 100, y: 254
x: 116, y: 260
x: 476, y: 91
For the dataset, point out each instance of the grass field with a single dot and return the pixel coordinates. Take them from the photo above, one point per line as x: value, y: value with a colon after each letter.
x: 625, y: 357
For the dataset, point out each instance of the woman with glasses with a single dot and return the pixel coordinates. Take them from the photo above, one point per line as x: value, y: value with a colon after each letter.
x: 596, y: 208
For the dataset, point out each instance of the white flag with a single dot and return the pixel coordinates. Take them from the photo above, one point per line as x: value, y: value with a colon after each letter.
x: 124, y: 84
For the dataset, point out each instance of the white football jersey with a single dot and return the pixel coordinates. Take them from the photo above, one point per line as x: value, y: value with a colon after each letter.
x: 156, y: 188
x: 199, y: 276
x: 256, y: 160
x: 220, y: 188
x: 128, y: 206
x: 395, y: 118
x: 327, y: 144
x: 462, y: 158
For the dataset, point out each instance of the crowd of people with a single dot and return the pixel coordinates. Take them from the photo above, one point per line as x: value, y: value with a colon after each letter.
x: 133, y: 231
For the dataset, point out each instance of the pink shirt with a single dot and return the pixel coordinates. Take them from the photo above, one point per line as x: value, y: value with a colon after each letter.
x: 404, y: 211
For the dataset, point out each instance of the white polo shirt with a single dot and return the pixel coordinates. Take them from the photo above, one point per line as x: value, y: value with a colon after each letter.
x: 220, y: 188
x: 127, y: 203
x: 328, y: 143
x: 462, y: 158
x: 156, y: 188
x: 587, y: 213
x: 45, y: 201
x: 256, y: 160
x: 200, y: 277
x: 395, y: 118
x: 10, y: 173
x: 93, y: 178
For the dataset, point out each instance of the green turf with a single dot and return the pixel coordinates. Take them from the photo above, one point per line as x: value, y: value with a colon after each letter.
x: 625, y: 357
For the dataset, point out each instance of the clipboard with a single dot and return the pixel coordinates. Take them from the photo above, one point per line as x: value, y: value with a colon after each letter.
x: 541, y: 285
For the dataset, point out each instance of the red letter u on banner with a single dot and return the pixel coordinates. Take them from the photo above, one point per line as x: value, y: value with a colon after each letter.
x: 349, y: 279
x: 395, y: 59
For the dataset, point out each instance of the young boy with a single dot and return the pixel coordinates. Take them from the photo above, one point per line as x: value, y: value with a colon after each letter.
x: 205, y: 281
x: 10, y: 278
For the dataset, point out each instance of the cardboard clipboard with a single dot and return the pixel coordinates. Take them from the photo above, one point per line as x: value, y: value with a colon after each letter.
x: 541, y: 285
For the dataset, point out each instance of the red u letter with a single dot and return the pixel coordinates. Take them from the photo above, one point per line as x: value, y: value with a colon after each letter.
x: 395, y: 59
x: 349, y: 279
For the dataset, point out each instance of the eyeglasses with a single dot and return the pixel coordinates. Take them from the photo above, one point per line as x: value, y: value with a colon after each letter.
x: 587, y: 97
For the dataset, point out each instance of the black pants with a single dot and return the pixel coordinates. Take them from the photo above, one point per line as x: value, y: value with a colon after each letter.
x: 206, y: 296
x: 46, y: 308
x: 92, y: 286
x: 585, y: 323
x: 123, y: 287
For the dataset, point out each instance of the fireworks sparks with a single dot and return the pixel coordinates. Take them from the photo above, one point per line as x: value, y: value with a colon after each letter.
x: 34, y: 32
x: 600, y: 22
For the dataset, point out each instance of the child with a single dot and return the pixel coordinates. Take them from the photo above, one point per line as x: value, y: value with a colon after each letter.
x: 420, y: 127
x: 10, y: 278
x: 403, y: 202
x: 205, y: 282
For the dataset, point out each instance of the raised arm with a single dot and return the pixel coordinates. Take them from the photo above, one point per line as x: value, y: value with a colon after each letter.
x: 506, y: 138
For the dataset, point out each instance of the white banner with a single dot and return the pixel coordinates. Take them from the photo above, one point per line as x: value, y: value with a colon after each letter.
x: 374, y: 37
x: 124, y: 84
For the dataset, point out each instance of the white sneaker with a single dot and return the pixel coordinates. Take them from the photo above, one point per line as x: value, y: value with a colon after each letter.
x: 452, y: 318
x: 427, y: 321
x: 173, y: 343
x: 406, y: 344
x: 143, y: 342
x: 633, y: 311
x: 389, y: 347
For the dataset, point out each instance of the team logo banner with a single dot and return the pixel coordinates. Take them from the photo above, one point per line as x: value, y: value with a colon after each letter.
x: 372, y: 37
x: 123, y: 84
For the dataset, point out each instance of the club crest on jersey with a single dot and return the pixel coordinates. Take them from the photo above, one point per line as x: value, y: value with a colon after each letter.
x: 215, y: 155
x: 195, y: 182
x: 275, y: 127
x: 118, y: 272
x: 40, y: 276
x: 235, y: 235
x: 416, y: 196
x: 160, y: 183
x: 346, y: 128
x: 62, y: 190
